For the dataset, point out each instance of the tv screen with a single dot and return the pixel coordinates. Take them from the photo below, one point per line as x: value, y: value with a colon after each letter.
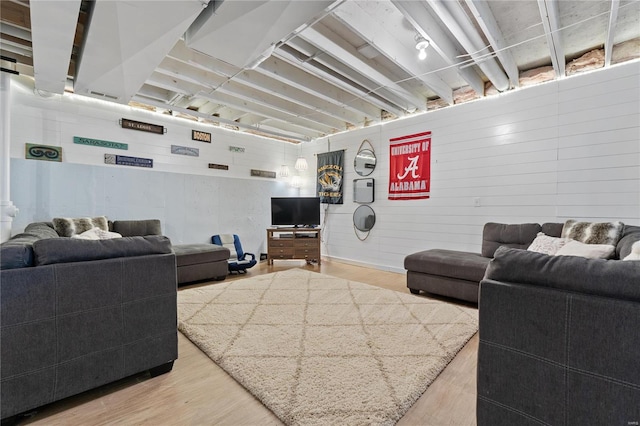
x: 295, y: 211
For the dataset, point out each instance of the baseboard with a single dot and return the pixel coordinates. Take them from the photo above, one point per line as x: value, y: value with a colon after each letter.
x: 365, y: 264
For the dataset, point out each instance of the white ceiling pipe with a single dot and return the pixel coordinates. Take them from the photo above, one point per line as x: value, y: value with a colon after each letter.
x: 611, y: 30
x: 457, y: 21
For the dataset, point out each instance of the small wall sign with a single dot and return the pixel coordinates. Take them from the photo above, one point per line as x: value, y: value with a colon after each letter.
x: 185, y: 150
x: 236, y: 149
x: 42, y: 152
x: 218, y: 166
x: 123, y: 160
x: 197, y: 135
x: 100, y: 143
x: 263, y: 173
x: 145, y: 127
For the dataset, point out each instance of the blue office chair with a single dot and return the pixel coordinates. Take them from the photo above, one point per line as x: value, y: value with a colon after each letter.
x: 239, y: 261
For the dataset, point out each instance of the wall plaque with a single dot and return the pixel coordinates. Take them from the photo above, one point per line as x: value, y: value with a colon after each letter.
x: 145, y: 127
x: 100, y: 143
x: 236, y: 149
x: 197, y: 135
x: 218, y: 166
x: 123, y: 160
x: 185, y: 150
x: 42, y: 152
x: 263, y: 173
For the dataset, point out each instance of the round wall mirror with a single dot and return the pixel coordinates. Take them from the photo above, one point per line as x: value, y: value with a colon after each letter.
x: 365, y: 162
x: 364, y: 218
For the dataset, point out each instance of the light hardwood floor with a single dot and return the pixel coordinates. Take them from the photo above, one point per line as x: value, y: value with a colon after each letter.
x: 198, y: 392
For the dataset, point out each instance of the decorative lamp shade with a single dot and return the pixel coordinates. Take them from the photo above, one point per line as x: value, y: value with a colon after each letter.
x: 296, y: 182
x: 301, y: 164
x: 284, y: 171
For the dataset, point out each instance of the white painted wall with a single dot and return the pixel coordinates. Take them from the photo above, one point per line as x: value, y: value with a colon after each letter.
x: 192, y: 201
x: 561, y: 150
x: 568, y: 149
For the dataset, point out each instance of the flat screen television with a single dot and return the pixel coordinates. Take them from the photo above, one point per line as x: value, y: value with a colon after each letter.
x: 295, y: 211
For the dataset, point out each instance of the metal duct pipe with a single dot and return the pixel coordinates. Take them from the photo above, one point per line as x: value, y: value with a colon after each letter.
x: 457, y: 21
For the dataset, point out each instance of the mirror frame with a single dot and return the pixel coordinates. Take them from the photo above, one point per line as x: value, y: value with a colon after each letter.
x: 365, y: 208
x: 365, y: 154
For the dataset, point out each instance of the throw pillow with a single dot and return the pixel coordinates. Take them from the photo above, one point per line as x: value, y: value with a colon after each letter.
x: 590, y: 251
x: 97, y: 234
x: 593, y: 232
x: 635, y: 252
x: 67, y: 227
x: 547, y: 245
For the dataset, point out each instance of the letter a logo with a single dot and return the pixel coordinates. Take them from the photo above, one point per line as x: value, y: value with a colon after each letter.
x: 412, y: 167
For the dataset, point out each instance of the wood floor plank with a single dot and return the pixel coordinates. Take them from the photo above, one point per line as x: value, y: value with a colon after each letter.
x: 198, y: 392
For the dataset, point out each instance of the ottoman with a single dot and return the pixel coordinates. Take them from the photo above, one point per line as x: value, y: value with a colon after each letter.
x: 196, y: 262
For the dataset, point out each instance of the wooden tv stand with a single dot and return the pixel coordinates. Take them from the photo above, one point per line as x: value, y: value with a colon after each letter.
x: 293, y: 243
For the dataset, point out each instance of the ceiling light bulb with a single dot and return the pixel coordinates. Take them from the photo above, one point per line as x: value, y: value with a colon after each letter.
x: 422, y: 55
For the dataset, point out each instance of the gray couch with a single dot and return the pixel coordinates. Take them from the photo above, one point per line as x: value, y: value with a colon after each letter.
x: 195, y: 262
x: 77, y: 314
x: 457, y: 274
x: 559, y: 339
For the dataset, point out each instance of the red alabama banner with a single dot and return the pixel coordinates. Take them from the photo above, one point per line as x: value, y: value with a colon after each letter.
x: 410, y: 166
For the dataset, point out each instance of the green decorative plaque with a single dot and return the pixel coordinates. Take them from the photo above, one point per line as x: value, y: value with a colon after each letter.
x: 42, y: 152
x: 100, y: 143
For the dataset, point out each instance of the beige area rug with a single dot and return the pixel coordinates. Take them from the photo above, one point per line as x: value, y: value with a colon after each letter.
x: 321, y: 350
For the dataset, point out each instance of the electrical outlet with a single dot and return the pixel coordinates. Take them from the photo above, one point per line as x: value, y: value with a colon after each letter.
x: 476, y: 201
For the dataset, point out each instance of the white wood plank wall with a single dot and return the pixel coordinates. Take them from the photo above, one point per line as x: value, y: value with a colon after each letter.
x: 568, y: 149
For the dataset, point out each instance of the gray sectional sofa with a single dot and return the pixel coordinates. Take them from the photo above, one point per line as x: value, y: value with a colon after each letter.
x: 457, y: 274
x: 195, y: 262
x: 559, y: 339
x: 77, y: 314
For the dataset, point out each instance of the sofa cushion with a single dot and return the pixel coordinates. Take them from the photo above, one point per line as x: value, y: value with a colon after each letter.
x: 593, y: 232
x: 590, y: 251
x: 519, y: 236
x: 41, y: 230
x: 630, y: 235
x: 608, y: 278
x: 134, y: 228
x: 68, y: 227
x: 193, y: 254
x: 62, y: 250
x: 635, y: 252
x: 552, y: 229
x: 546, y: 244
x: 448, y: 263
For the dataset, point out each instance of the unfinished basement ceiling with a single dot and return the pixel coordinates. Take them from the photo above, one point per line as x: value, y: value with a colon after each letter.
x: 298, y: 70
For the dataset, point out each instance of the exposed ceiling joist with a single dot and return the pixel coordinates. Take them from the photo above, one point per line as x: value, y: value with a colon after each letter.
x: 255, y: 108
x: 551, y: 22
x: 482, y: 12
x: 332, y: 70
x: 324, y: 39
x: 299, y: 76
x: 358, y: 16
x: 417, y: 13
x: 53, y: 43
x: 454, y: 17
x: 311, y: 68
